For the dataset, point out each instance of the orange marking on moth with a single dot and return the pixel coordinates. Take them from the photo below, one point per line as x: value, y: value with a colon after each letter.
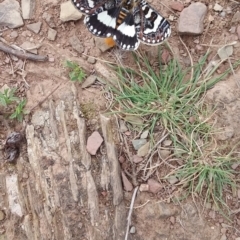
x: 110, y: 42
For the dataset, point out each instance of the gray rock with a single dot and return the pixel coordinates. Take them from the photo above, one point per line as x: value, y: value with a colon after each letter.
x: 68, y: 12
x: 52, y: 34
x: 164, y: 153
x: 49, y: 19
x: 167, y: 143
x: 217, y: 7
x: 89, y: 81
x: 91, y: 60
x: 144, y: 134
x: 191, y: 19
x: 14, y: 34
x: 10, y: 14
x: 123, y: 127
x: 172, y: 179
x: 225, y: 52
x: 2, y: 215
x: 132, y: 230
x: 28, y: 8
x: 144, y: 187
x: 76, y: 44
x: 143, y: 150
x: 154, y: 186
x: 137, y: 143
x: 223, y: 14
x: 29, y: 46
x: 34, y: 27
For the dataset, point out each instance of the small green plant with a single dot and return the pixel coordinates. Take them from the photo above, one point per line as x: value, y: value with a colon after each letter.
x: 10, y: 101
x: 7, y: 97
x: 76, y: 73
x: 19, y: 111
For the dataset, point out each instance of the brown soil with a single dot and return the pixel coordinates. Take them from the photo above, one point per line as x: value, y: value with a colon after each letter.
x: 63, y: 215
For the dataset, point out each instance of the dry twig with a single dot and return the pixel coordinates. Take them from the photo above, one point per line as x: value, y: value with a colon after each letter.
x: 23, y: 55
x: 130, y: 212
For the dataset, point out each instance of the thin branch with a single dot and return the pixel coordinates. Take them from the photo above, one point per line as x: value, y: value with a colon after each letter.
x: 23, y: 55
x: 42, y: 101
x: 130, y: 212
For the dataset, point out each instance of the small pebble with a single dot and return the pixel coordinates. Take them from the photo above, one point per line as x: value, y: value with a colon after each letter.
x: 14, y: 34
x: 51, y: 59
x: 167, y: 143
x: 132, y: 230
x: 144, y: 188
x: 233, y: 29
x: 178, y: 6
x: 137, y: 159
x: 144, y: 134
x: 91, y: 60
x: 217, y: 7
x: 123, y: 127
x: 223, y: 14
x: 2, y: 215
x: 154, y: 186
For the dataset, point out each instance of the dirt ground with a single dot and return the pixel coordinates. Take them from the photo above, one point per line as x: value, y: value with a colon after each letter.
x: 54, y: 190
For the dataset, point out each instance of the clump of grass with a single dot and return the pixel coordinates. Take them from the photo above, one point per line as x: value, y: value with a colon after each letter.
x: 9, y: 100
x: 76, y: 73
x: 173, y: 98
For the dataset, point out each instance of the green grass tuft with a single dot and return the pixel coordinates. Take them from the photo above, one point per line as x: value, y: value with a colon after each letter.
x: 172, y: 97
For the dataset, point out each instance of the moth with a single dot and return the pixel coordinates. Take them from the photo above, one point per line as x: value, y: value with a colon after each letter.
x: 128, y: 22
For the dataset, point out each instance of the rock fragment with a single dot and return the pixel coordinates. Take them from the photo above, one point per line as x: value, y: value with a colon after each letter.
x: 69, y: 13
x: 52, y: 34
x: 94, y: 142
x: 89, y: 81
x: 217, y: 7
x: 91, y: 60
x: 137, y: 143
x: 143, y: 150
x: 28, y: 8
x: 34, y: 27
x: 76, y: 44
x: 191, y: 19
x: 178, y: 6
x: 154, y: 186
x: 29, y: 46
x: 137, y: 159
x: 126, y: 183
x: 10, y: 14
x: 49, y: 19
x: 144, y: 134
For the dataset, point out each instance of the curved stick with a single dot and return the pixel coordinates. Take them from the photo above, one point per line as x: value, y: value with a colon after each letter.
x: 21, y: 54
